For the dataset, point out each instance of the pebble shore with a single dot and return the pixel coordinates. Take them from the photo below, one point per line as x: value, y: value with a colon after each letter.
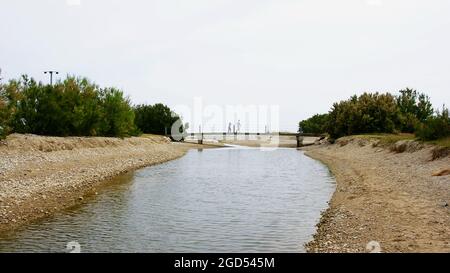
x: 387, y: 199
x: 41, y: 175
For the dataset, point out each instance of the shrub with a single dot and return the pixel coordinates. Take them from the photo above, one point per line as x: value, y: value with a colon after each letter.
x: 435, y: 127
x: 368, y: 113
x: 74, y: 107
x: 155, y: 119
x: 77, y: 107
x: 8, y: 98
x: 317, y: 124
x: 413, y: 108
x: 116, y: 114
x: 3, y: 117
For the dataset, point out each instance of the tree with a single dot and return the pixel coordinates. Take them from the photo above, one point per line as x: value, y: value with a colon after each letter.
x: 408, y: 112
x: 368, y: 113
x: 73, y: 107
x: 117, y: 113
x: 414, y: 108
x: 82, y: 105
x: 435, y: 127
x: 3, y: 114
x: 9, y: 97
x: 155, y: 119
x: 317, y: 124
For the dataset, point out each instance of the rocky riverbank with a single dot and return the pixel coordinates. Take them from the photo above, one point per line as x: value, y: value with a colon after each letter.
x: 397, y: 195
x: 41, y: 175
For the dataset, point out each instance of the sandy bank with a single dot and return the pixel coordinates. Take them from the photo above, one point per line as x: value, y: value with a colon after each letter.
x: 398, y: 198
x: 41, y: 175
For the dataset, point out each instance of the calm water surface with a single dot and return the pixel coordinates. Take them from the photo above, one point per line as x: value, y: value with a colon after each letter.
x: 221, y: 200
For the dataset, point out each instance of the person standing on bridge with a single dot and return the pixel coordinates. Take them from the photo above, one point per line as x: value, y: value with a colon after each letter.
x: 239, y: 126
x: 229, y: 128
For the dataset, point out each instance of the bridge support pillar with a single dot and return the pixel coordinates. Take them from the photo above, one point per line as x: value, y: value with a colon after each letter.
x: 299, y: 141
x: 200, y: 140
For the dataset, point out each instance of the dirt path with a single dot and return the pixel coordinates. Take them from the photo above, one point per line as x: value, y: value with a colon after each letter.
x: 383, y: 196
x: 41, y: 175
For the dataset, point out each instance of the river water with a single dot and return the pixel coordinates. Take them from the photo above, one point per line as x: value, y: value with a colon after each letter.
x: 214, y: 200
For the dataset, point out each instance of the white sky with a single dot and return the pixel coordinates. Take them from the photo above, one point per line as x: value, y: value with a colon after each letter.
x: 299, y: 54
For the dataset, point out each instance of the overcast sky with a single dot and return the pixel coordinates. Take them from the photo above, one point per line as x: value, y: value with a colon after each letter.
x: 299, y: 54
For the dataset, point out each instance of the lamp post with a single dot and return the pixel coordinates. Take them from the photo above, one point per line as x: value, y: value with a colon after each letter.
x: 51, y: 75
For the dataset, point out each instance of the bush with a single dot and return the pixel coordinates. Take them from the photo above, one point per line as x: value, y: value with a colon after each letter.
x: 408, y: 112
x: 368, y: 113
x: 7, y: 107
x: 317, y: 124
x: 155, y: 119
x: 73, y: 107
x: 414, y: 108
x: 435, y: 127
x: 3, y: 117
x: 77, y: 107
x: 82, y: 106
x: 116, y: 114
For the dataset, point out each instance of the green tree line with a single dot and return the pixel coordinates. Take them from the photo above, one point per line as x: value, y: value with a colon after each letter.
x: 155, y: 119
x: 407, y: 112
x: 76, y: 107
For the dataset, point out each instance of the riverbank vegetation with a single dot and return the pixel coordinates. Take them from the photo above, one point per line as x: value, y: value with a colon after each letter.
x: 76, y: 107
x: 375, y: 113
x: 155, y: 119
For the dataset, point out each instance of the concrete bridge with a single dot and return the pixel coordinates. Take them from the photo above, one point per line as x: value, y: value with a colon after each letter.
x: 299, y: 136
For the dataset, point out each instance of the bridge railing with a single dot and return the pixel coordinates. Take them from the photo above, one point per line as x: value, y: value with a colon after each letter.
x: 299, y: 136
x: 256, y: 134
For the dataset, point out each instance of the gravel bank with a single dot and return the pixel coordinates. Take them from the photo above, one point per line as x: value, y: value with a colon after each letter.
x: 398, y: 197
x: 41, y: 175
